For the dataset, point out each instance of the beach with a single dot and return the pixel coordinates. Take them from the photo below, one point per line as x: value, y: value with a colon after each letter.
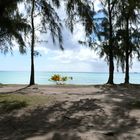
x: 70, y: 112
x: 70, y: 70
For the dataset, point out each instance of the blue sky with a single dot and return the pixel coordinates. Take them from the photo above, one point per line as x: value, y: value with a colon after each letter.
x: 74, y: 58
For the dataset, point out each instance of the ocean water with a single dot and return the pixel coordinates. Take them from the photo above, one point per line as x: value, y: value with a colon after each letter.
x: 79, y: 78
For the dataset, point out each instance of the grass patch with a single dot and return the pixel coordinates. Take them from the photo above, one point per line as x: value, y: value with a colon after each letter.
x: 1, y: 85
x: 10, y: 102
x: 134, y: 104
x: 8, y: 106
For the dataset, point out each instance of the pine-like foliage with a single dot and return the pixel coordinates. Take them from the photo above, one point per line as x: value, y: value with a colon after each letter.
x: 12, y: 26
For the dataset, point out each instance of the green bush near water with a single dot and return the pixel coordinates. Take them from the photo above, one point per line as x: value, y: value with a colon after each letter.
x: 58, y: 79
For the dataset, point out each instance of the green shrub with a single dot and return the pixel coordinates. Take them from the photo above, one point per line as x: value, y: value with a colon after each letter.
x: 60, y: 79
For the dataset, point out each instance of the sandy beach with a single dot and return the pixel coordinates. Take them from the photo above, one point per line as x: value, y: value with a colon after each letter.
x: 74, y: 113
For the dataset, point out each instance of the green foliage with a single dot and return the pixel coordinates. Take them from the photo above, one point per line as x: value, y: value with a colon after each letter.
x: 80, y: 10
x: 49, y: 19
x: 12, y: 26
x: 60, y: 79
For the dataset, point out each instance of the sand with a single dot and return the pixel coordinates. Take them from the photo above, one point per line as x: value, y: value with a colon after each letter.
x: 75, y: 113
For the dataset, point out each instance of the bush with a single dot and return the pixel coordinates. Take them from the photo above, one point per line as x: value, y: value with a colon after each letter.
x: 60, y: 79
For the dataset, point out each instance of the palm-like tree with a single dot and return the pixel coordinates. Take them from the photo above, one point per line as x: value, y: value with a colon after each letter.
x: 128, y: 34
x: 50, y: 20
x: 106, y: 35
x: 12, y: 25
x: 103, y: 34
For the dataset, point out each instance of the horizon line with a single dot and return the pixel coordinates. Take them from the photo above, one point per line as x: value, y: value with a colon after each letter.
x: 62, y: 71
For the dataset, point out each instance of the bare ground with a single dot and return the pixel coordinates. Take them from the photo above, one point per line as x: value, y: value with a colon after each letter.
x: 74, y: 113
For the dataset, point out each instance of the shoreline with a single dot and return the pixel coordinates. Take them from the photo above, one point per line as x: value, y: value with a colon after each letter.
x: 72, y: 85
x: 121, y: 84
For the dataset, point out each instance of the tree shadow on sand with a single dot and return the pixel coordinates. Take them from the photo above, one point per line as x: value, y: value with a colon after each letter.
x: 23, y: 90
x: 69, y: 120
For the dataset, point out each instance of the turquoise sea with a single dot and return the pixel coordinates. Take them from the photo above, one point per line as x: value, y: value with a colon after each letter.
x: 82, y: 78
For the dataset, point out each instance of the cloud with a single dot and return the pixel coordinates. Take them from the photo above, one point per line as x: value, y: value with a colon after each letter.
x: 42, y: 50
x: 82, y: 54
x: 97, y: 5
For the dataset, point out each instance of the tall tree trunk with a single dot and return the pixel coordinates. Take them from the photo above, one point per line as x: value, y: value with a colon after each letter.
x: 32, y: 77
x: 111, y: 61
x: 127, y: 49
x: 111, y: 68
x: 127, y: 69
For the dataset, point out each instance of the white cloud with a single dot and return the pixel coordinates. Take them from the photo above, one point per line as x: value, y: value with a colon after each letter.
x: 97, y: 5
x: 79, y: 33
x: 71, y: 56
x: 42, y: 50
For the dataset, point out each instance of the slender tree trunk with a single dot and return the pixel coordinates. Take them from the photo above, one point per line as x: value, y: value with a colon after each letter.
x: 127, y: 69
x: 111, y: 69
x: 127, y: 47
x: 32, y: 77
x: 111, y: 61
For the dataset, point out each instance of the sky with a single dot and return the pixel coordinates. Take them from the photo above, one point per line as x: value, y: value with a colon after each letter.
x: 74, y: 58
